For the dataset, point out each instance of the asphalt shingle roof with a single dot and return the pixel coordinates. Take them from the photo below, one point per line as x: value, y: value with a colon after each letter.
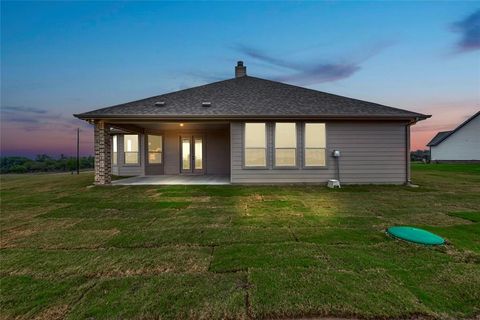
x: 439, y: 137
x: 249, y: 97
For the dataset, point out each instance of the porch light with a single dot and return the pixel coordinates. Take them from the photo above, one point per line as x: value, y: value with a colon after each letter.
x: 181, y: 124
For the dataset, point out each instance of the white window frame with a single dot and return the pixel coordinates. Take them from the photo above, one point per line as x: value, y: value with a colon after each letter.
x: 158, y: 152
x: 125, y: 152
x: 245, y: 148
x: 305, y: 166
x: 115, y: 150
x: 275, y: 148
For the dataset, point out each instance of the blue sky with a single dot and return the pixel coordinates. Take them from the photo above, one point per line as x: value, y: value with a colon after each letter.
x: 60, y: 58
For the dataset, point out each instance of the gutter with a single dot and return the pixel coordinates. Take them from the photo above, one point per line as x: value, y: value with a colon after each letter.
x: 244, y: 117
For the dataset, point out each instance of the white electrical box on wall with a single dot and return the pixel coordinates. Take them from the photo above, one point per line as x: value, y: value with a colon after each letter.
x: 333, y: 183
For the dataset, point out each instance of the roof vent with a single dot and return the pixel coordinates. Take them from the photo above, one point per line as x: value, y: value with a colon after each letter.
x: 206, y: 104
x: 160, y: 104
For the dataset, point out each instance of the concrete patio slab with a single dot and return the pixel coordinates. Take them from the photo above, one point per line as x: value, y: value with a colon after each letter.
x: 173, y: 180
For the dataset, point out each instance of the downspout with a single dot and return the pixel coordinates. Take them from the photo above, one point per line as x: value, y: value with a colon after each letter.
x: 408, y: 179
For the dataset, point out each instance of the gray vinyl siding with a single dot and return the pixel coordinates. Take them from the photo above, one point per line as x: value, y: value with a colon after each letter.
x: 123, y: 169
x: 371, y: 152
x: 218, y: 152
x: 171, y: 148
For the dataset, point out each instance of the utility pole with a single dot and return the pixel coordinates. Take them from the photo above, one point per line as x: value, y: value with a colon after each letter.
x: 78, y: 150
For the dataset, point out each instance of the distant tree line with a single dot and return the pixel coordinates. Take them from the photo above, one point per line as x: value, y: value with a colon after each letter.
x: 43, y: 163
x: 420, y: 155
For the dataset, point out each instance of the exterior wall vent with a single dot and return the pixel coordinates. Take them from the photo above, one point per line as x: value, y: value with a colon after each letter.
x: 206, y: 104
x: 160, y: 104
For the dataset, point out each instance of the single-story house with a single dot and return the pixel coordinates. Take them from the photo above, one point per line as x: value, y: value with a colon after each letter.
x: 459, y: 145
x: 254, y: 130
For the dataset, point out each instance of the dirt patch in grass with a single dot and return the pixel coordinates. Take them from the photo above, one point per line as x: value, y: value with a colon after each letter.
x: 53, y: 313
x: 28, y: 230
x: 64, y: 239
x: 105, y: 262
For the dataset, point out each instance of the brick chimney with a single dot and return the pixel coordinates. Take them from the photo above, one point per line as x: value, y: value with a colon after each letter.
x: 240, y: 70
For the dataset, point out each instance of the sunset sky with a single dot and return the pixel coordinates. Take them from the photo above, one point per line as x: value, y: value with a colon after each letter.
x: 60, y: 58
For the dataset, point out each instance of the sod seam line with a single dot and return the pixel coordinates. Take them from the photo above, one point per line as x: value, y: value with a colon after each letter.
x: 76, y: 302
x: 293, y: 234
x: 211, y: 258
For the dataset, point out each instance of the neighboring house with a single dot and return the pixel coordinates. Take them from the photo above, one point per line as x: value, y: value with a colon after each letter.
x: 459, y: 145
x: 254, y: 131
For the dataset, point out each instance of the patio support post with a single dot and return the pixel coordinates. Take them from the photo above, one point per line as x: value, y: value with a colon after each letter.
x: 103, y: 151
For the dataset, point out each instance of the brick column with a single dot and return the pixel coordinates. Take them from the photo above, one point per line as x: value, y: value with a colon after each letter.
x: 103, y: 154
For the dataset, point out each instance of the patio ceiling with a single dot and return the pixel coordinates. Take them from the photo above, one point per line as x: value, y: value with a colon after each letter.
x: 140, y: 127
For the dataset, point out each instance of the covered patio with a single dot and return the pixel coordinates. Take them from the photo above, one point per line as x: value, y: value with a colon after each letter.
x: 161, y: 152
x: 173, y: 180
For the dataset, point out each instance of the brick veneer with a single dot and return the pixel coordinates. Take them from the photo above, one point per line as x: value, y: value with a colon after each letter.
x: 103, y: 154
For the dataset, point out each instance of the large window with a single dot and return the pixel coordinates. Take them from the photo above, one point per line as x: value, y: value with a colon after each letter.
x: 130, y: 148
x: 315, y: 144
x: 255, y: 145
x: 154, y: 149
x: 285, y: 144
x: 114, y: 150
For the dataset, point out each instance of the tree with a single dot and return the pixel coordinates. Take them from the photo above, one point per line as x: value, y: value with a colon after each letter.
x: 43, y: 163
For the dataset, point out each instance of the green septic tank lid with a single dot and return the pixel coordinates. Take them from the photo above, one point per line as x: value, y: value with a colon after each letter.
x: 416, y: 235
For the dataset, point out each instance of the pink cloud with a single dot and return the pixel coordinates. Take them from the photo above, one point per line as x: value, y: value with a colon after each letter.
x: 445, y: 116
x: 53, y: 141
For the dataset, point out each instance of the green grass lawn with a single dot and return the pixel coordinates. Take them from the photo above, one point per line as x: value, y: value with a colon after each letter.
x: 69, y: 250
